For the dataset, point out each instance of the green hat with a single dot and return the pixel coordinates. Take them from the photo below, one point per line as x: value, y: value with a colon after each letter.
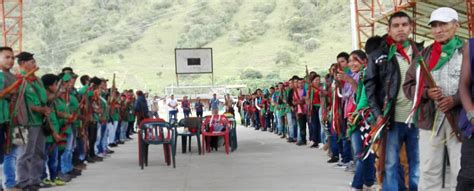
x: 66, y: 77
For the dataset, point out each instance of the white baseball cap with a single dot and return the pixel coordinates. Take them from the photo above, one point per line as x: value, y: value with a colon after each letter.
x: 444, y: 14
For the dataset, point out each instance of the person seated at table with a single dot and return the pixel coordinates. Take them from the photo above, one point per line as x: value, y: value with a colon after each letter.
x: 216, y: 123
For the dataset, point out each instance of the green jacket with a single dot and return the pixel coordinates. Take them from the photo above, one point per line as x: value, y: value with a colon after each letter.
x: 54, y: 120
x: 115, y: 113
x: 61, y: 106
x: 4, y: 107
x: 35, y: 95
x: 74, y: 108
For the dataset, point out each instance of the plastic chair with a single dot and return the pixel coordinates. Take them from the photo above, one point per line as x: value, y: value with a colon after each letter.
x: 193, y: 124
x: 233, y: 131
x: 208, y: 134
x: 156, y: 132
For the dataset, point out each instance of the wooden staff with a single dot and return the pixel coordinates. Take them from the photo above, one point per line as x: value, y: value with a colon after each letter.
x: 17, y: 83
x: 310, y: 102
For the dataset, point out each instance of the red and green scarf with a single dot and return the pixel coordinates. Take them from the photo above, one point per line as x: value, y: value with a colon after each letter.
x: 397, y: 47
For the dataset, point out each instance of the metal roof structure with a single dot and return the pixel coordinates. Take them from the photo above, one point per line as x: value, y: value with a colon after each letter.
x: 12, y: 23
x: 371, y: 16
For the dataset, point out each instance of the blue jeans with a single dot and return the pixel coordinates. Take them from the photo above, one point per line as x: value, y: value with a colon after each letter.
x: 346, y: 144
x: 257, y: 119
x: 51, y: 162
x: 365, y: 169
x: 112, y: 132
x: 334, y: 144
x: 276, y: 123
x: 66, y: 156
x: 9, y: 166
x: 399, y: 133
x: 315, y: 126
x: 279, y: 123
x: 269, y: 120
x: 79, y: 149
x: 123, y: 130
x: 3, y: 133
x: 101, y: 142
x: 173, y: 115
x: 295, y: 125
x: 302, y: 124
x: 247, y: 118
x: 118, y: 131
x: 323, y: 128
x: 291, y: 128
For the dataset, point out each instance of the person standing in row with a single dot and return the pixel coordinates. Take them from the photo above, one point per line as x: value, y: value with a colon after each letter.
x: 31, y: 161
x: 172, y: 104
x: 186, y: 107
x: 385, y: 74
x: 444, y: 58
x: 199, y: 107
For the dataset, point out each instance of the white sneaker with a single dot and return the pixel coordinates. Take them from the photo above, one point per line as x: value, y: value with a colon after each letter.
x: 350, y: 167
x: 341, y: 165
x: 368, y: 188
x: 310, y: 143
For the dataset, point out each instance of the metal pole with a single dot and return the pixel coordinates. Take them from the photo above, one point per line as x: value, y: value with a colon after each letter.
x: 177, y: 80
x: 354, y: 29
x: 4, y: 24
x: 20, y: 26
x: 445, y: 162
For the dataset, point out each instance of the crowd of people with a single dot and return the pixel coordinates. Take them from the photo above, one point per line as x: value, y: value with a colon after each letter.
x: 388, y: 113
x: 381, y: 112
x: 51, y: 131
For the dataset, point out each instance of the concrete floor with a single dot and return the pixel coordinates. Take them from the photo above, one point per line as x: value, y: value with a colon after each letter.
x: 262, y: 162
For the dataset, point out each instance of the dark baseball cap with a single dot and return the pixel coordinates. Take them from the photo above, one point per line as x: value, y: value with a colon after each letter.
x: 24, y: 56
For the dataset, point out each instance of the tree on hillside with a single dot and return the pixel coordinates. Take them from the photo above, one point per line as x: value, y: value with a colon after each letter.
x: 250, y: 73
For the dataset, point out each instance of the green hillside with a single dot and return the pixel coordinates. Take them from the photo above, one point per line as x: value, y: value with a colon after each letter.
x: 255, y: 42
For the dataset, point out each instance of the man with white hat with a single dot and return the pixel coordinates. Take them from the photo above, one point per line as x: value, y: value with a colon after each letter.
x: 443, y: 58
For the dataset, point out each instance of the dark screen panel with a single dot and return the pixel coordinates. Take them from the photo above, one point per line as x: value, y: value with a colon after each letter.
x: 194, y: 61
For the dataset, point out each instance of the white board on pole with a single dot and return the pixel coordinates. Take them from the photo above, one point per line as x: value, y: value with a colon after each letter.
x: 193, y: 60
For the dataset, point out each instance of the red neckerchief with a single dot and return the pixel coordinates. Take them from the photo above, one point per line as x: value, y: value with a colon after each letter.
x: 399, y: 47
x: 435, y: 54
x: 29, y: 78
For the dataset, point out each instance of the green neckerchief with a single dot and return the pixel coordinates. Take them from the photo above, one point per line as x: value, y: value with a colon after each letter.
x: 393, y: 49
x: 360, y: 85
x: 2, y: 80
x: 4, y: 116
x: 447, y: 51
x: 83, y: 90
x: 346, y: 70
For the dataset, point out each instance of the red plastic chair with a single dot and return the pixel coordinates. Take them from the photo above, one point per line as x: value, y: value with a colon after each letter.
x: 206, y: 134
x: 156, y: 132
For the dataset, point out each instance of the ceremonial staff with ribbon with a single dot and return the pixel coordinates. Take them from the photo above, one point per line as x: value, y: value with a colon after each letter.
x: 427, y: 77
